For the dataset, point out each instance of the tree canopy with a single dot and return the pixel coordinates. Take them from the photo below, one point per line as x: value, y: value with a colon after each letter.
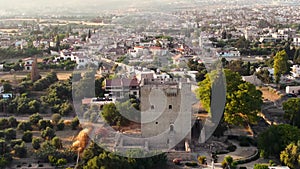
x: 292, y: 111
x: 243, y: 101
x: 290, y: 156
x: 280, y: 65
x: 274, y: 140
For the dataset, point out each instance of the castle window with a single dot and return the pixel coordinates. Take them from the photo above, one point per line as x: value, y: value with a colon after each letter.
x: 170, y: 107
x: 171, y: 127
x: 156, y: 122
x: 152, y: 107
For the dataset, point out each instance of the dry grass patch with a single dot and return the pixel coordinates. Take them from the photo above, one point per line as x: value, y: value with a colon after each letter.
x: 267, y: 94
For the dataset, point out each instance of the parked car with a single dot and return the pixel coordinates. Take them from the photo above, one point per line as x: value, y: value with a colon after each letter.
x: 291, y: 95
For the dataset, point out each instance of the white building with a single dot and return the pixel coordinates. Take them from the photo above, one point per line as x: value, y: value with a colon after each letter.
x: 28, y: 63
x: 295, y: 71
x: 279, y: 167
x: 296, y: 41
x: 231, y: 53
x: 1, y: 88
x: 293, y: 89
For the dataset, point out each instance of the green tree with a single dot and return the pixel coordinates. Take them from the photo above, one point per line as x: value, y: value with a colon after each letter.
x: 24, y: 125
x: 264, y: 76
x: 20, y: 150
x: 228, y: 163
x: 65, y: 108
x: 12, y: 122
x: 43, y: 124
x: 243, y: 101
x: 7, y: 87
x: 280, y: 65
x: 34, y: 119
x: 296, y: 58
x: 10, y: 134
x: 60, y: 125
x: 274, y: 140
x: 48, y: 133
x: 4, y: 123
x: 56, y: 142
x: 111, y: 115
x: 36, y: 143
x: 75, y: 123
x: 27, y: 136
x: 292, y: 111
x: 91, y: 151
x: 290, y: 156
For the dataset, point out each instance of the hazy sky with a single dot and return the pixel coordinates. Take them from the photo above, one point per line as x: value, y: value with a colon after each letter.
x: 92, y: 5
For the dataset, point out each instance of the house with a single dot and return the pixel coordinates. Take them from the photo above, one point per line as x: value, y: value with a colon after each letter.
x: 161, y: 76
x: 253, y: 79
x: 178, y: 59
x: 292, y: 89
x: 98, y: 101
x: 295, y: 71
x: 138, y: 51
x: 230, y: 53
x: 145, y: 75
x: 121, y: 87
x: 1, y: 88
x: 158, y: 51
x: 28, y: 63
x: 296, y: 41
x: 279, y: 167
x: 104, y: 70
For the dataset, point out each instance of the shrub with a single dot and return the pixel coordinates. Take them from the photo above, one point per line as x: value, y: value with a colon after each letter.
x: 24, y: 126
x: 191, y: 164
x: 10, y: 134
x: 260, y: 166
x: 272, y: 163
x: 12, y: 121
x: 20, y: 150
x: 61, y: 162
x: 231, y: 148
x: 55, y: 118
x: 35, y: 118
x: 27, y: 137
x: 43, y: 124
x: 15, y: 142
x: 56, y: 142
x: 244, y: 141
x: 4, y: 124
x: 2, y: 134
x: 48, y: 133
x: 74, y: 123
x: 202, y: 159
x: 36, y: 143
x: 61, y: 125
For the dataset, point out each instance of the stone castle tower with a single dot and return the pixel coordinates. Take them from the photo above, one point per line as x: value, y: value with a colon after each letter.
x: 166, y: 112
x: 34, y: 71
